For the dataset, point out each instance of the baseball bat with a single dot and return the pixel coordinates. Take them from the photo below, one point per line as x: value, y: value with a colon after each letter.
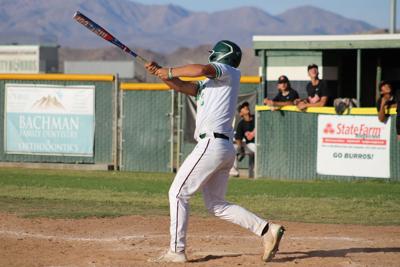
x: 103, y: 33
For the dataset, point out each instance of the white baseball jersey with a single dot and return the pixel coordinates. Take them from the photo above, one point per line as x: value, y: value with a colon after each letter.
x: 207, y: 167
x: 216, y: 101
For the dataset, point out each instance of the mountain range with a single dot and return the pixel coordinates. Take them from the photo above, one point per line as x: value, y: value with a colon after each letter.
x: 160, y: 28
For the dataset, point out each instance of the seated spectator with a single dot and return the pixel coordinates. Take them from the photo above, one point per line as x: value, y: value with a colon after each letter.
x: 317, y: 91
x: 386, y: 101
x: 286, y: 96
x: 244, y: 132
x: 389, y: 98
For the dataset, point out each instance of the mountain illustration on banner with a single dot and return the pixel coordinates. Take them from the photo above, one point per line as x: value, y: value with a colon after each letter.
x: 48, y: 103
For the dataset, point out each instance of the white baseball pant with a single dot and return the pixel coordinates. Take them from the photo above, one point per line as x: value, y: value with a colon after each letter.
x: 206, y: 168
x: 250, y: 150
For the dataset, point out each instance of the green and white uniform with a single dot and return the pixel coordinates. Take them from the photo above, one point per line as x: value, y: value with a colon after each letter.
x: 207, y: 167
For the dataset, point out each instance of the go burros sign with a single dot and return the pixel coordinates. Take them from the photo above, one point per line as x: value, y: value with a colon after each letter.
x: 353, y: 146
x: 49, y: 120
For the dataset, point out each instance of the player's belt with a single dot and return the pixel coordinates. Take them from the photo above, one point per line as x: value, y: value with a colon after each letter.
x: 216, y: 135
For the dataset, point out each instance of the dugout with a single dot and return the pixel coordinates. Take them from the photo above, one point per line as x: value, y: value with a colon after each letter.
x: 318, y: 144
x: 353, y: 65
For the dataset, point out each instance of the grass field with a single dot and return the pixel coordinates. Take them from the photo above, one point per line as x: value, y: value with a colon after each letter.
x: 77, y: 194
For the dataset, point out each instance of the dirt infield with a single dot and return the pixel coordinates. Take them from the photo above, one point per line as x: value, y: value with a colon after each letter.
x: 131, y: 241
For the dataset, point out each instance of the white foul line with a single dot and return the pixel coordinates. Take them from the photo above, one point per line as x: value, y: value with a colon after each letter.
x: 20, y: 234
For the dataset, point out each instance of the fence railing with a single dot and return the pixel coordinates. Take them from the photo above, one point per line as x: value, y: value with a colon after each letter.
x: 149, y: 128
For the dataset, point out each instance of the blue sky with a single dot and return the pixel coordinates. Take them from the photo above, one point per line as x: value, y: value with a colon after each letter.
x: 375, y: 12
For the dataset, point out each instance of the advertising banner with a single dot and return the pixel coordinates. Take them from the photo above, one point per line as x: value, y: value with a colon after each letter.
x: 49, y: 120
x: 353, y: 146
x: 19, y: 59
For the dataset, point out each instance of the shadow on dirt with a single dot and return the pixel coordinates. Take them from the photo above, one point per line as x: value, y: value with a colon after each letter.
x: 215, y: 257
x: 335, y: 253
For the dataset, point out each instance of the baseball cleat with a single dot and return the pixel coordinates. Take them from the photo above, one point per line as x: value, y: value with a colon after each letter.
x: 171, y: 256
x: 271, y: 241
x: 234, y: 172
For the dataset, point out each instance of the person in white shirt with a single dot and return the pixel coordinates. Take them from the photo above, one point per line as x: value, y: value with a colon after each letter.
x: 207, y: 167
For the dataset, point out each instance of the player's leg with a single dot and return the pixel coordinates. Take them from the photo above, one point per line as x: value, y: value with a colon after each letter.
x: 204, y: 160
x: 187, y: 180
x: 214, y: 197
x: 235, y: 170
x: 250, y: 149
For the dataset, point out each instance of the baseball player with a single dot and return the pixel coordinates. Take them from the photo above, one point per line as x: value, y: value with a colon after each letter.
x: 244, y: 132
x: 207, y: 167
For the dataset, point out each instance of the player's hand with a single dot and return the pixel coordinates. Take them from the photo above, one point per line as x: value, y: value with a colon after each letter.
x: 314, y: 99
x: 152, y: 67
x: 298, y: 100
x: 240, y: 153
x: 268, y: 102
x: 162, y: 73
x: 249, y: 135
x: 301, y: 105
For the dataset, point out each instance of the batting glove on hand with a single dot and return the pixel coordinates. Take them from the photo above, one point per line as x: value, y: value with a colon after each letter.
x: 152, y: 67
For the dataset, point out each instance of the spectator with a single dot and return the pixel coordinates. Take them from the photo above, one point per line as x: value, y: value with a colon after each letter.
x: 386, y: 101
x: 286, y: 96
x: 317, y: 91
x: 244, y: 132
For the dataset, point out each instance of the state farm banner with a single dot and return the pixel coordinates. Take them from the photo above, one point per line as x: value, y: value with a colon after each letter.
x: 49, y: 120
x: 353, y: 146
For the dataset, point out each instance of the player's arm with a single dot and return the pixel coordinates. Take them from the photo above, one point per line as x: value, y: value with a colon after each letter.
x: 239, y: 143
x: 281, y: 104
x: 239, y: 135
x: 191, y: 70
x: 322, y: 103
x: 382, y: 116
x: 184, y: 87
x: 169, y: 76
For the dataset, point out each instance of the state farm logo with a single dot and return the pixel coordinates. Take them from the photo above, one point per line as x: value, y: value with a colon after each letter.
x: 329, y: 129
x: 352, y: 134
x: 353, y: 129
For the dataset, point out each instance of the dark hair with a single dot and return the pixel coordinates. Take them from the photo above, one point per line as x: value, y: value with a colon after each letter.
x: 284, y: 79
x: 312, y: 66
x: 384, y: 82
x: 244, y: 104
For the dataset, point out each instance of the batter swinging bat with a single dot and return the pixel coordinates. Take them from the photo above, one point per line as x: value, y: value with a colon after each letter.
x: 100, y: 31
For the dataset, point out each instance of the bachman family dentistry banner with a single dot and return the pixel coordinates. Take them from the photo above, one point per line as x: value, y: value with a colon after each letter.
x: 353, y: 146
x: 49, y: 120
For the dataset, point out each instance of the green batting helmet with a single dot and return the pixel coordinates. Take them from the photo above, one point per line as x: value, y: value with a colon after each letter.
x: 226, y: 52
